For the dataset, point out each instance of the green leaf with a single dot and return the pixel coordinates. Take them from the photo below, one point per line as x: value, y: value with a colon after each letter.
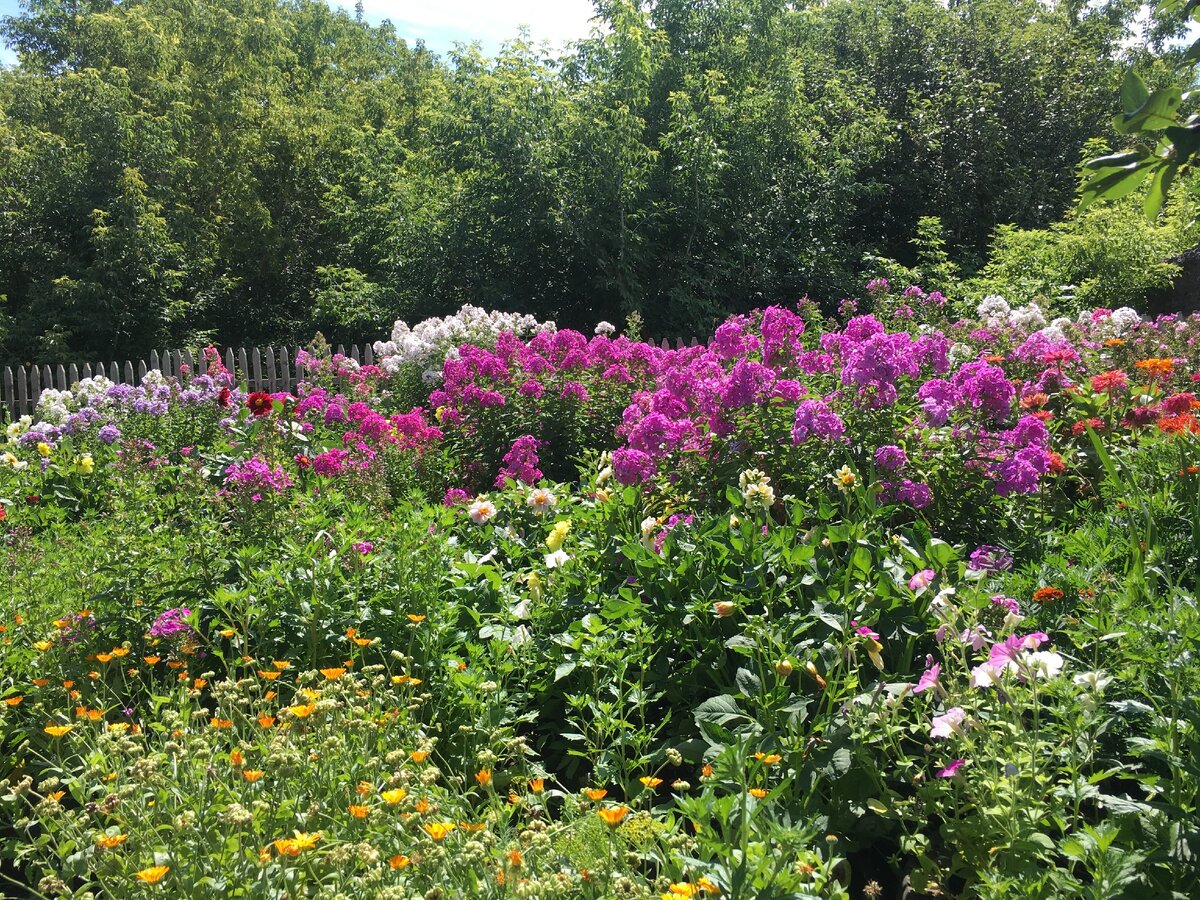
x: 1133, y: 92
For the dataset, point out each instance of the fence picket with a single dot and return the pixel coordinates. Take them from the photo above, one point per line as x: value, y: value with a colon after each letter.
x: 256, y: 369
x: 22, y: 392
x: 60, y: 376
x: 285, y: 372
x: 229, y: 364
x: 9, y: 400
x: 141, y: 371
x: 271, y: 370
x: 73, y: 374
x: 189, y: 361
x: 368, y: 355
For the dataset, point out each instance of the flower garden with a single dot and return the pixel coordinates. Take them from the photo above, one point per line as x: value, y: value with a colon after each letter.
x: 900, y: 602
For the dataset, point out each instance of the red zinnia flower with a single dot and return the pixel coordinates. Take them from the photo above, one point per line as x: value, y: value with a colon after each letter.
x: 259, y: 403
x: 1107, y: 382
x: 223, y: 396
x: 1178, y: 424
x: 1057, y: 466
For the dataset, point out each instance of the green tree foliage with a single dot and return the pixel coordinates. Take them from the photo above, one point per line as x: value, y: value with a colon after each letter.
x: 253, y: 170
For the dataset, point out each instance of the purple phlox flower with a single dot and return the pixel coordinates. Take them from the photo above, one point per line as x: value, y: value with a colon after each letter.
x: 986, y: 558
x: 172, y: 623
x: 365, y: 548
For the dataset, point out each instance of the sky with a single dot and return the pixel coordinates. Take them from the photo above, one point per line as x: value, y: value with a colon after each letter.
x: 440, y: 23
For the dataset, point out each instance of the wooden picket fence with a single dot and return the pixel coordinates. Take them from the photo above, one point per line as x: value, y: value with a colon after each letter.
x: 258, y: 368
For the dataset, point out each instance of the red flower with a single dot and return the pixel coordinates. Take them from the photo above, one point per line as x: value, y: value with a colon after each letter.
x: 303, y: 461
x: 1108, y: 382
x: 33, y: 499
x: 223, y: 396
x: 1180, y: 423
x: 259, y: 403
x: 3, y: 513
x: 1057, y: 466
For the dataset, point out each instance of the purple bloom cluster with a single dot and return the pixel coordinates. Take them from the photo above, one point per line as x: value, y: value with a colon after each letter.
x: 172, y: 624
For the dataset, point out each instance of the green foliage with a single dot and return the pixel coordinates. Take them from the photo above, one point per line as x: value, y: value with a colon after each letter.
x: 252, y: 170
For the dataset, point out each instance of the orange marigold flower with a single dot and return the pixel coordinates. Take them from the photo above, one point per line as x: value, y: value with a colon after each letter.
x: 268, y: 675
x: 394, y: 796
x: 57, y: 730
x: 1156, y: 368
x: 649, y: 781
x: 281, y: 664
x: 768, y: 759
x: 399, y: 861
x: 220, y: 723
x: 472, y: 826
x: 537, y: 785
x: 359, y: 811
x: 417, y: 619
x: 237, y: 757
x: 758, y: 792
x: 1046, y: 594
x: 484, y: 776
x: 419, y: 756
x: 515, y: 859
x: 595, y: 794
x: 41, y: 682
x: 151, y: 660
x: 13, y: 701
x: 333, y: 674
x: 302, y: 711
x: 152, y: 875
x: 108, y: 841
x: 422, y: 806
x: 438, y: 830
x: 613, y: 815
x: 252, y: 775
x: 266, y: 721
x: 199, y: 683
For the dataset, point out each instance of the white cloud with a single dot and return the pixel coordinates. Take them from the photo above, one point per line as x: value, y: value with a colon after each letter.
x: 489, y: 21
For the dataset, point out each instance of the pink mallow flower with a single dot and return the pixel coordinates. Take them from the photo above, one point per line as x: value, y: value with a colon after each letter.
x: 951, y: 770
x: 948, y: 723
x: 929, y: 679
x: 922, y: 580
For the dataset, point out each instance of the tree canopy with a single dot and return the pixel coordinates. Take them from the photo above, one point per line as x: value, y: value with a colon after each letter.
x: 255, y: 170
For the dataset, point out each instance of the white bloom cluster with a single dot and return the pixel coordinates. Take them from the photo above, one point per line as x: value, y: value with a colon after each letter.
x: 993, y: 311
x: 1056, y: 330
x: 605, y: 328
x: 429, y: 343
x: 1118, y: 323
x: 55, y: 406
x: 1027, y: 318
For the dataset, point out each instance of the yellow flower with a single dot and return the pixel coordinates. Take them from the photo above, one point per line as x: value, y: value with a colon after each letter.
x: 419, y: 756
x: 333, y: 674
x: 843, y: 479
x: 484, y: 776
x: 558, y: 534
x: 293, y: 846
x: 152, y: 875
x: 399, y: 861
x: 768, y: 759
x: 302, y: 712
x: 758, y: 792
x: 438, y: 830
x: 359, y: 811
x: 281, y: 664
x: 614, y: 815
x: 394, y: 796
x: 537, y: 785
x: 109, y: 841
x: 57, y: 730
x: 415, y: 618
x: 650, y: 781
x: 86, y: 464
x: 596, y: 794
x: 268, y: 675
x: 43, y: 645
x: 43, y: 448
x: 227, y: 632
x: 13, y: 701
